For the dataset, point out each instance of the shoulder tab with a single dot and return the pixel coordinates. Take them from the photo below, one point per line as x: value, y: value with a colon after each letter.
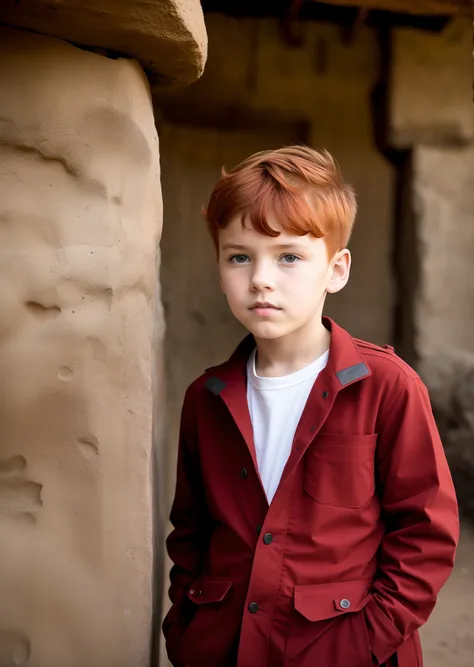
x: 372, y: 346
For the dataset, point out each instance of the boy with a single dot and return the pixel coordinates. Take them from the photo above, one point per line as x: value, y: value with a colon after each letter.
x: 315, y: 518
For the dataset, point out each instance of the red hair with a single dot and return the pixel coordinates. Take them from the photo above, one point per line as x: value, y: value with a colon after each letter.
x: 302, y: 187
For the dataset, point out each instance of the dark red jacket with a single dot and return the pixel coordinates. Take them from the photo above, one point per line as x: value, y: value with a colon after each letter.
x: 346, y: 563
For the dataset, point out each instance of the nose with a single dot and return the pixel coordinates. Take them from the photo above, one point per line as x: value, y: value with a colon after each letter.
x: 262, y: 277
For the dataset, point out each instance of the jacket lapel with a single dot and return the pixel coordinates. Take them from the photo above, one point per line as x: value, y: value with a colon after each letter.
x: 229, y: 382
x: 345, y: 367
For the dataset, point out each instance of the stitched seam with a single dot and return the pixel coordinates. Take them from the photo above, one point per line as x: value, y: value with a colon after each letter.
x: 395, y: 361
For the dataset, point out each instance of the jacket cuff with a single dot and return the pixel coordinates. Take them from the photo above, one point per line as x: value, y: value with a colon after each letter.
x: 384, y: 638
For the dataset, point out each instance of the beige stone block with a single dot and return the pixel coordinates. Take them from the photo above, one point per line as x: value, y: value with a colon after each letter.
x: 80, y: 216
x: 443, y: 203
x: 168, y: 37
x: 431, y: 86
x: 442, y: 198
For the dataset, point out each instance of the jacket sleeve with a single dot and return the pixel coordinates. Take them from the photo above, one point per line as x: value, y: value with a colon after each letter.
x: 419, y: 506
x: 187, y: 543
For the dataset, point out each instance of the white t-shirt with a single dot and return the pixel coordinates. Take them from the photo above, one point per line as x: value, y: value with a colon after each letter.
x: 275, y: 406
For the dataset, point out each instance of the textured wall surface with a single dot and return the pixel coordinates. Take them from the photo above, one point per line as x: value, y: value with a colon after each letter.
x: 443, y: 191
x: 80, y: 215
x: 443, y: 313
x: 167, y: 37
x: 432, y: 114
x: 431, y: 92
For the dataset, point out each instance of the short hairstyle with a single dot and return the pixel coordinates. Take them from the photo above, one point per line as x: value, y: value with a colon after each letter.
x: 302, y: 187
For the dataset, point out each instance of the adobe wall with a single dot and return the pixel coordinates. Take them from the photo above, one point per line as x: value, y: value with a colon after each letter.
x: 168, y: 38
x: 431, y: 86
x: 80, y: 218
x: 432, y: 117
x: 443, y: 198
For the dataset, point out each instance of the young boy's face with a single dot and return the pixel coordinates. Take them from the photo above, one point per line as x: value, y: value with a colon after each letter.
x: 276, y: 286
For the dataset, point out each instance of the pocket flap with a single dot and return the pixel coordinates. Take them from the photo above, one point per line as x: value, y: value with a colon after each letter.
x: 206, y: 590
x: 323, y: 601
x: 348, y: 447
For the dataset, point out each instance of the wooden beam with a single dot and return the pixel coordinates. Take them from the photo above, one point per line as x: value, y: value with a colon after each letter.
x: 419, y: 7
x: 352, y: 32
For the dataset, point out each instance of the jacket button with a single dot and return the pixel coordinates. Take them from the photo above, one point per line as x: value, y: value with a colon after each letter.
x: 253, y: 607
x: 195, y: 593
x: 344, y: 603
x: 244, y: 473
x: 325, y: 394
x: 268, y: 538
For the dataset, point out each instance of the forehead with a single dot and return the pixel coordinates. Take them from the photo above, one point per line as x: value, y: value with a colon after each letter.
x: 243, y: 233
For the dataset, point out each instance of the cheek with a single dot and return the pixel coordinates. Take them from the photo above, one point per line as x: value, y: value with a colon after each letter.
x: 305, y: 278
x: 231, y: 282
x: 304, y: 285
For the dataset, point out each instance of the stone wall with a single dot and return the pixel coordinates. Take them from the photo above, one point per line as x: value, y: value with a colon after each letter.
x: 432, y: 118
x: 80, y: 217
x: 443, y: 199
x: 81, y: 325
x: 442, y: 307
x: 168, y: 37
x: 431, y: 86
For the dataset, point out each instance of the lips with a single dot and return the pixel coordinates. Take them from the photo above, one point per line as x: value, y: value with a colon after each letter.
x: 264, y: 305
x: 264, y: 309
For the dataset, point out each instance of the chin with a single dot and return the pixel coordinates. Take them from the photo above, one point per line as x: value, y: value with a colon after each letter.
x: 266, y: 331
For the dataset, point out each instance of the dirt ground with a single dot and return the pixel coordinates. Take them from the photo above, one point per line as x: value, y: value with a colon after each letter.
x: 448, y: 637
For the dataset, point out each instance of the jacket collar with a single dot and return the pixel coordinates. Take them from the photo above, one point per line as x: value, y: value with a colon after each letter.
x: 345, y: 363
x: 345, y: 367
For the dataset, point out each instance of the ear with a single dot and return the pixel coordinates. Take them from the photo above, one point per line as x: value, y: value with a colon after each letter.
x: 339, y: 267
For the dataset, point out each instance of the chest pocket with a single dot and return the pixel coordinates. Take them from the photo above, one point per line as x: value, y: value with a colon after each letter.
x: 340, y: 469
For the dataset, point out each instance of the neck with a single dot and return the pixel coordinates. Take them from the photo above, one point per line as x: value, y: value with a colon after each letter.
x: 282, y: 356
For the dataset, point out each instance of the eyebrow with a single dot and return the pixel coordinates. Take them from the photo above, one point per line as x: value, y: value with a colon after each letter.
x: 281, y: 246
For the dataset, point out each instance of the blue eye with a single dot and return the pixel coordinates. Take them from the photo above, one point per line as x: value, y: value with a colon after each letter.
x: 239, y: 259
x: 290, y: 259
